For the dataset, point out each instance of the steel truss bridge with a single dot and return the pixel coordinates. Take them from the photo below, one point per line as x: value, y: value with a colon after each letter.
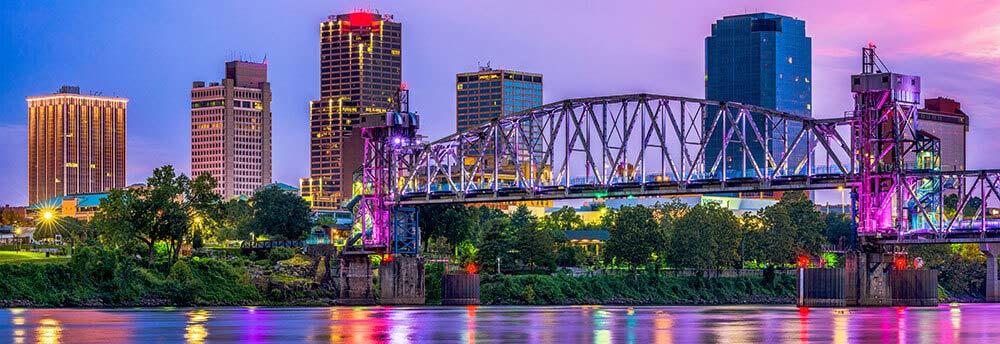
x: 659, y: 145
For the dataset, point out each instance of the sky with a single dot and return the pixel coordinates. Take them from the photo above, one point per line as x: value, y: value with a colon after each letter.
x: 151, y: 51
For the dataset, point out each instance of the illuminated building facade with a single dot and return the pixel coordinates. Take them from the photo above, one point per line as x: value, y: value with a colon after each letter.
x: 487, y: 94
x: 360, y: 73
x: 944, y: 119
x: 76, y: 144
x: 758, y: 59
x: 231, y: 129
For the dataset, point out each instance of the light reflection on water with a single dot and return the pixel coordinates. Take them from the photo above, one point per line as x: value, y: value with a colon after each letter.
x: 578, y: 324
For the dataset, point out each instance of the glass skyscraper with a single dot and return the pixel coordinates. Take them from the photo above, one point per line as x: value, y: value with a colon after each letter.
x: 759, y: 59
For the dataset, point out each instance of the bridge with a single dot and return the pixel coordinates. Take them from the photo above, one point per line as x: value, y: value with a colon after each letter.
x: 638, y: 145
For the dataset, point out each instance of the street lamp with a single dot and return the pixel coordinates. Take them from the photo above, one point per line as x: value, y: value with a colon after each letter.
x: 48, y: 215
x: 843, y: 201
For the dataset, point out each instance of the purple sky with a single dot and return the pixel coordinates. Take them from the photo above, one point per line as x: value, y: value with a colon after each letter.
x: 151, y: 51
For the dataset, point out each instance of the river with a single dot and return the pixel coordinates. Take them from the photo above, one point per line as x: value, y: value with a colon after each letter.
x: 576, y: 324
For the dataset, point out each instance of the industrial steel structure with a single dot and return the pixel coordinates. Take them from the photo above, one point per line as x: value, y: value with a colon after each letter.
x: 647, y: 144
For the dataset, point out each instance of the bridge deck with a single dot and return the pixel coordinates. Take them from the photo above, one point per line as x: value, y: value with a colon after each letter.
x: 584, y: 192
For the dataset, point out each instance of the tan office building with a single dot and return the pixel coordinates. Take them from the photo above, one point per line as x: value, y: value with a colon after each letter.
x: 231, y: 129
x: 76, y: 144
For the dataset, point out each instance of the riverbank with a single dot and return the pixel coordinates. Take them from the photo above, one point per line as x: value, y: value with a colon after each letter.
x: 99, y: 279
x: 635, y: 289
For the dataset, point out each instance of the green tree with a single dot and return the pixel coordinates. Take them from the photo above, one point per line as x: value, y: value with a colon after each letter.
x: 167, y: 192
x: 537, y: 247
x: 706, y: 237
x: 454, y: 222
x: 792, y: 227
x: 235, y: 219
x: 279, y: 214
x: 839, y: 228
x: 497, y: 239
x: 205, y: 206
x: 667, y: 215
x: 564, y: 219
x: 634, y: 236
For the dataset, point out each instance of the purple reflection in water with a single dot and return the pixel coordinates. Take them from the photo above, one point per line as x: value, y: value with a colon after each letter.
x: 569, y: 324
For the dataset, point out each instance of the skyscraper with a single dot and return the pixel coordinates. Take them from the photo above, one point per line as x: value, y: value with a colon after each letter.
x: 759, y: 59
x: 488, y: 94
x: 360, y: 73
x: 231, y: 129
x: 76, y: 144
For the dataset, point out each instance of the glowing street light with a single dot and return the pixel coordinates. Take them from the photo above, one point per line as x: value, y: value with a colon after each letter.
x: 48, y: 215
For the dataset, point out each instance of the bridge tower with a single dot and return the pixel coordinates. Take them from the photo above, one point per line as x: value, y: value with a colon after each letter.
x: 387, y: 229
x: 884, y: 131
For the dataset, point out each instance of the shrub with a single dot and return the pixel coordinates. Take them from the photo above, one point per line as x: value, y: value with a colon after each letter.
x: 280, y: 253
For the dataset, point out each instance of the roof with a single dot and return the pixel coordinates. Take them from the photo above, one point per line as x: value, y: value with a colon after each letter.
x: 82, y: 201
x: 282, y: 187
x: 594, y: 234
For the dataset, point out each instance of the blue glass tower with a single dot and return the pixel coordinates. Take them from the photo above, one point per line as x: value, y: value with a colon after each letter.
x: 759, y: 59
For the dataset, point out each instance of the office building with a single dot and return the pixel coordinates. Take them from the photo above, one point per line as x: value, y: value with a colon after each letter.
x: 488, y: 94
x: 758, y: 59
x: 943, y: 119
x: 360, y: 73
x: 231, y: 129
x: 76, y: 144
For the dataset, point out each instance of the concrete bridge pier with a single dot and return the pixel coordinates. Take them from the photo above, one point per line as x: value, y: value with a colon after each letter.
x: 992, y: 281
x: 354, y: 280
x: 401, y: 281
x: 867, y: 277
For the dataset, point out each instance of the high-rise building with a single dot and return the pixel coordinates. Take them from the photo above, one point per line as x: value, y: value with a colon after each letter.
x: 76, y: 144
x: 360, y: 73
x: 758, y: 59
x: 944, y: 120
x: 231, y: 129
x: 488, y: 94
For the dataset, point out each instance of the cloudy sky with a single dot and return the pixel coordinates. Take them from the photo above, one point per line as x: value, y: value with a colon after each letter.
x: 151, y: 51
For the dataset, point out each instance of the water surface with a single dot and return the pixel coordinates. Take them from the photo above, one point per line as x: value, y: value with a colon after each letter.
x: 578, y: 324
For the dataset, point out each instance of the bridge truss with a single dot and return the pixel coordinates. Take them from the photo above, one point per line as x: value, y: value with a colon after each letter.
x: 657, y: 145
x: 639, y: 144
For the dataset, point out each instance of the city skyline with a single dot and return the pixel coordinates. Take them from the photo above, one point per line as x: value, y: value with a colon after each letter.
x: 955, y: 62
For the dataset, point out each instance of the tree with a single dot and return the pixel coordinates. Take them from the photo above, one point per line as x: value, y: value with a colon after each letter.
x: 497, y: 240
x: 454, y: 222
x: 147, y: 215
x: 634, y: 236
x: 124, y: 219
x: 839, y: 228
x: 235, y: 219
x: 792, y: 227
x: 667, y: 215
x: 537, y: 247
x: 205, y: 206
x: 167, y: 193
x: 564, y: 219
x: 279, y: 214
x: 706, y: 237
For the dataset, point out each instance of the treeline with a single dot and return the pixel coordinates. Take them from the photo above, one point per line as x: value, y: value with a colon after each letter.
x: 172, y: 212
x: 667, y: 235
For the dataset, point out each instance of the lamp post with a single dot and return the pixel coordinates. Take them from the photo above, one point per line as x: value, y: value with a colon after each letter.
x: 843, y: 201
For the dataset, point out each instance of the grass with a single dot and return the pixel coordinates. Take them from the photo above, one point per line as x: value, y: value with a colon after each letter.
x: 34, y: 257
